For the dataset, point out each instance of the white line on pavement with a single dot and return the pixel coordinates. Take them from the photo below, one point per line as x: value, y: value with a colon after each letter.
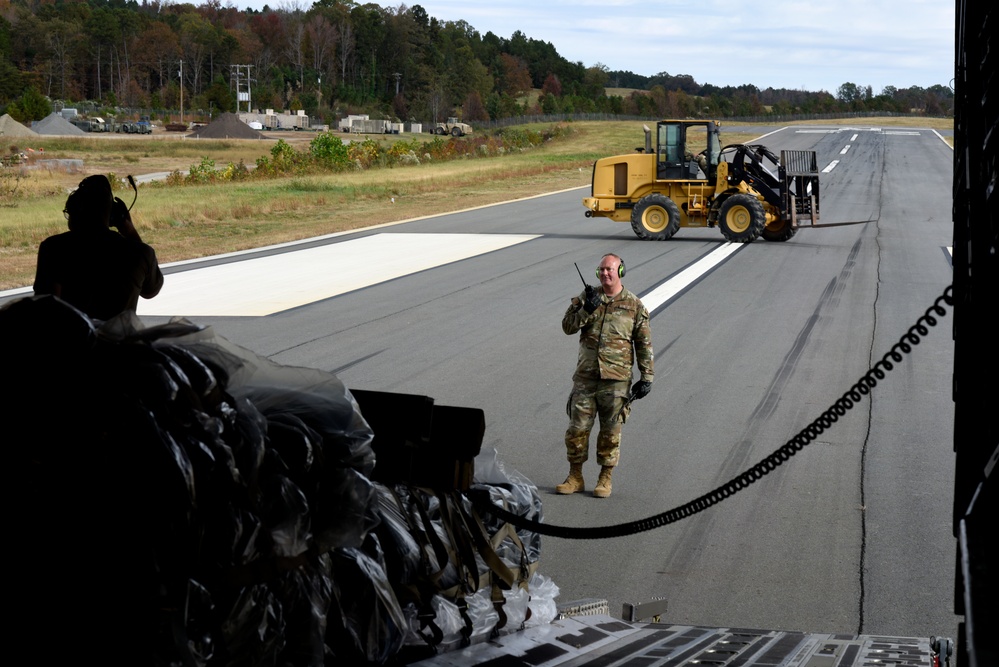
x: 266, y: 285
x: 675, y: 285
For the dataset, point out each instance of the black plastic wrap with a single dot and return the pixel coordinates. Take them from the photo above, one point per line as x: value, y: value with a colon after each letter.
x: 176, y: 499
x: 163, y: 517
x: 318, y: 397
x: 400, y: 548
x: 253, y: 630
x: 370, y: 625
x: 516, y: 493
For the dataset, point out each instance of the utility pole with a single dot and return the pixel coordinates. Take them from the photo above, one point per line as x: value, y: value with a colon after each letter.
x: 234, y: 70
x: 181, y: 75
x: 240, y: 95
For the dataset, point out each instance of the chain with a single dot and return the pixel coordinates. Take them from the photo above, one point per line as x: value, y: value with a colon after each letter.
x: 806, y: 436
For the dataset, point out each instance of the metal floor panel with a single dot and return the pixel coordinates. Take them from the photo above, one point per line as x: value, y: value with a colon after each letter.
x: 603, y: 641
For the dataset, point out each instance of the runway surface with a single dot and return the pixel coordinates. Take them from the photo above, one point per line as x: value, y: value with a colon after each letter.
x: 852, y: 535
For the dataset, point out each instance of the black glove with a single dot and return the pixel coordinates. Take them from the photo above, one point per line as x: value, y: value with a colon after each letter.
x: 592, y: 299
x: 640, y: 389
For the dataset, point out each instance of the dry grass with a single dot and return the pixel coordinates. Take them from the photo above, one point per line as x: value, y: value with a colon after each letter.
x: 198, y: 221
x: 624, y: 92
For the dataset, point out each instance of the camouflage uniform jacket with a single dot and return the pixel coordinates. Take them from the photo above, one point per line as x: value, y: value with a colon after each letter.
x: 611, y: 337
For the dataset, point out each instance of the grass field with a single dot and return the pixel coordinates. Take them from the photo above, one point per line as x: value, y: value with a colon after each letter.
x: 184, y: 222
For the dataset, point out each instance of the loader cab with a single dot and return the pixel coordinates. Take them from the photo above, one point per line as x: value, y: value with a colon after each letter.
x: 687, y: 150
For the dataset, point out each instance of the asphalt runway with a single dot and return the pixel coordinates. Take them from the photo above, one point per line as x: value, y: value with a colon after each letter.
x: 851, y: 535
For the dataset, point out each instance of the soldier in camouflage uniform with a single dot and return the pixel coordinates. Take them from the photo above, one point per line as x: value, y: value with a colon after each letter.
x: 613, y: 327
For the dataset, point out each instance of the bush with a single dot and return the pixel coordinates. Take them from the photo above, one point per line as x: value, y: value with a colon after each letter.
x: 284, y: 159
x: 203, y: 172
x: 329, y: 151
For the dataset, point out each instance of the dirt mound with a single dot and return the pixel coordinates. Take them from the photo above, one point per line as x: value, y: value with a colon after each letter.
x: 11, y: 128
x: 226, y: 126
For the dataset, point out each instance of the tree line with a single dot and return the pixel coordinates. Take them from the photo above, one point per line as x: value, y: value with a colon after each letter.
x: 333, y: 57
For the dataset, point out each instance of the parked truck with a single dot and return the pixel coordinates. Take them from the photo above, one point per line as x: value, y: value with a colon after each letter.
x: 94, y: 124
x: 135, y: 127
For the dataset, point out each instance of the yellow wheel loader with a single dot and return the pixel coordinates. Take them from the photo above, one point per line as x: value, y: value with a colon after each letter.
x: 743, y: 189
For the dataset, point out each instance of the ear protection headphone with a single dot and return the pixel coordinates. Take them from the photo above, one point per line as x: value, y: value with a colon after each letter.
x: 620, y: 268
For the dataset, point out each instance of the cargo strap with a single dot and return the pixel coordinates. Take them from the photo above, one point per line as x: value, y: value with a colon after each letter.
x: 467, y: 538
x: 422, y: 591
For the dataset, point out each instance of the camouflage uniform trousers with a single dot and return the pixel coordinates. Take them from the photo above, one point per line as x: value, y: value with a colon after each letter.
x: 589, y: 399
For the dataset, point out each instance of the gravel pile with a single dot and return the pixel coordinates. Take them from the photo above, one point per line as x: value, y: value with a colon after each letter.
x: 226, y: 126
x: 54, y: 124
x: 11, y: 128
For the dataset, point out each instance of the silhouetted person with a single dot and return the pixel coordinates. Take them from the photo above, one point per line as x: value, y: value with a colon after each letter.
x: 92, y: 267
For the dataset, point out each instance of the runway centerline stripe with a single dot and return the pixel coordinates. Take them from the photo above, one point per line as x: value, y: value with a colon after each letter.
x: 667, y: 291
x: 267, y: 285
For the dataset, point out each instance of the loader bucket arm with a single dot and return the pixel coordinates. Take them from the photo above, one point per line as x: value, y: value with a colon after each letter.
x: 748, y: 166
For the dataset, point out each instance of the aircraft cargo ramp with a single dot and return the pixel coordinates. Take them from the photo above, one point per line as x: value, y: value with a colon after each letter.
x: 602, y: 640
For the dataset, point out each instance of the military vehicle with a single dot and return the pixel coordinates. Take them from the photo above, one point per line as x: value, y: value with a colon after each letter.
x: 454, y: 127
x: 93, y: 124
x: 135, y: 127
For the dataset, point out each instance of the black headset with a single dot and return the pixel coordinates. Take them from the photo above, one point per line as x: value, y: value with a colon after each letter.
x: 620, y: 269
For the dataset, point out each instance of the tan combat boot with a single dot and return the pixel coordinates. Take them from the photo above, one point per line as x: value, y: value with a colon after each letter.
x: 603, y: 488
x: 574, y: 482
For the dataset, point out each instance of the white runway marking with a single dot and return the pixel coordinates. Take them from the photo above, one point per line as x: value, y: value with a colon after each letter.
x: 267, y: 285
x: 845, y: 149
x: 669, y: 289
x: 830, y: 166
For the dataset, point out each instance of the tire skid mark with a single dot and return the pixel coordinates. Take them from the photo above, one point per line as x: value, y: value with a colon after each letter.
x: 695, y: 538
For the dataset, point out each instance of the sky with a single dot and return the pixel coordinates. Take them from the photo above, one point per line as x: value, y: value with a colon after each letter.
x: 797, y: 45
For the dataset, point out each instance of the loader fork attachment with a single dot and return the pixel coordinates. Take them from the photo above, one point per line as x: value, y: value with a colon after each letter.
x: 800, y: 186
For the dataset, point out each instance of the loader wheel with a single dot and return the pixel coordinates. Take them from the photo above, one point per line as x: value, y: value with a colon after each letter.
x: 741, y: 218
x: 655, y: 218
x: 779, y: 230
x: 439, y: 131
x: 455, y: 132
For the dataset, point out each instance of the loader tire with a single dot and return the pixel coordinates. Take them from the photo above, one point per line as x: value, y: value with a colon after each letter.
x: 741, y: 218
x: 779, y: 230
x: 439, y: 131
x: 655, y: 218
x: 455, y: 132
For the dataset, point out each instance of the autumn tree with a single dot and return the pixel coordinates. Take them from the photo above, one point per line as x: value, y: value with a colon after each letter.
x: 552, y: 86
x: 473, y: 108
x: 63, y: 39
x: 157, y: 51
x: 516, y: 76
x: 595, y: 81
